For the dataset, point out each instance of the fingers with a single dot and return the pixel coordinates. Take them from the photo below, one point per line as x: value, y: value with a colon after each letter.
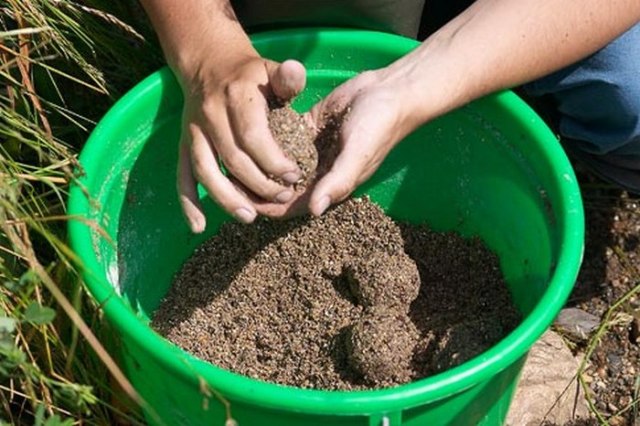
x: 288, y: 79
x: 188, y: 193
x: 298, y: 205
x: 335, y: 186
x: 262, y: 157
x: 248, y: 117
x: 205, y: 169
x: 373, y: 124
x: 356, y: 163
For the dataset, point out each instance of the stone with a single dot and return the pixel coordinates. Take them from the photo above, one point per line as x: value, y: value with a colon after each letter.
x: 548, y: 387
x: 576, y: 323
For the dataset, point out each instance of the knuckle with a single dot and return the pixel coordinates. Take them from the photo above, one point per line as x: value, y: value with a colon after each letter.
x: 209, y: 108
x: 367, y: 76
x: 233, y: 162
x: 250, y: 137
x: 234, y: 89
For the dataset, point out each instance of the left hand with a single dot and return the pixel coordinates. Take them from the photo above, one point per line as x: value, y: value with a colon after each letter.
x: 378, y: 117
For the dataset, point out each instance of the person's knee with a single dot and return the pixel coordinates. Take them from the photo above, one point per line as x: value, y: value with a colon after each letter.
x: 598, y: 98
x: 601, y: 103
x: 601, y: 124
x: 606, y: 114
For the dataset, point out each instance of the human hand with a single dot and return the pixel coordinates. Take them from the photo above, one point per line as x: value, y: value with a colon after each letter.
x: 377, y: 116
x: 225, y: 123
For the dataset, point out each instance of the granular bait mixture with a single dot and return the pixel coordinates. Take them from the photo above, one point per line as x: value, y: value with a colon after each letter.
x: 289, y: 301
x: 296, y: 138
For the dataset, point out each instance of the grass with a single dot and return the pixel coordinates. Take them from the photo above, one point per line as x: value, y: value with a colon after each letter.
x: 603, y: 200
x: 607, y: 321
x: 62, y: 64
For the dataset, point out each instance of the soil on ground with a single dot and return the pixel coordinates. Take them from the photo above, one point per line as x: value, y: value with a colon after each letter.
x: 609, y: 273
x: 274, y: 301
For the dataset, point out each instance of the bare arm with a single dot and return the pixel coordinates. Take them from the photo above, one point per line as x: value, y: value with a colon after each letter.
x: 226, y: 86
x: 191, y: 30
x: 495, y: 44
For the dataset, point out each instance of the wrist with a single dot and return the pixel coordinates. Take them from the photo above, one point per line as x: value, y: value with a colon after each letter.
x: 213, y: 61
x: 431, y: 80
x: 199, y: 36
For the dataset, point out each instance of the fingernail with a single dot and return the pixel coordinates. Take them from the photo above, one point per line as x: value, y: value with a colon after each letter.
x: 284, y: 196
x: 244, y: 215
x: 291, y: 177
x: 197, y: 225
x: 322, y: 205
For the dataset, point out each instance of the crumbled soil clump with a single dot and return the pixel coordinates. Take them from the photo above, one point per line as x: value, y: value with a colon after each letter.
x: 380, y: 347
x: 296, y: 138
x: 272, y: 301
x: 314, y: 151
x: 369, y: 280
x: 327, y: 140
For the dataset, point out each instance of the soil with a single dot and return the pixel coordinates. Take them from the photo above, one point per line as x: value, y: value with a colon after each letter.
x: 380, y: 345
x: 369, y: 281
x: 611, y: 269
x: 313, y: 150
x: 274, y: 300
x: 296, y: 138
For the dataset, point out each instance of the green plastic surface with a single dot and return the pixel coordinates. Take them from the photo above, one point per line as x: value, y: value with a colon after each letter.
x: 491, y: 169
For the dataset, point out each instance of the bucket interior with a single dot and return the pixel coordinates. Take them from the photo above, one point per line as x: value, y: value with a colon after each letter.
x: 490, y: 169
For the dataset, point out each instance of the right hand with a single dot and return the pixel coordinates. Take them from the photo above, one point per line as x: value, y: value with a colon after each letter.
x: 378, y: 114
x: 225, y: 122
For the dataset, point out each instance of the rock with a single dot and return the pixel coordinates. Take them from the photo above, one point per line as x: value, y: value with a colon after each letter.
x: 547, y: 388
x: 634, y: 331
x: 616, y: 421
x: 576, y: 323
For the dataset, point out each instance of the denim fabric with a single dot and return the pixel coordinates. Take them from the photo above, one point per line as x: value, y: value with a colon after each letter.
x: 598, y: 107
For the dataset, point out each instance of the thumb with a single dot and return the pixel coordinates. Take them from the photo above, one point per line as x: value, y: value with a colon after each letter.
x: 288, y: 79
x: 346, y: 173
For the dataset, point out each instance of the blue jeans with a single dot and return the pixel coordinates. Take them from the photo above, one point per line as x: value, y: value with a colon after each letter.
x: 598, y: 109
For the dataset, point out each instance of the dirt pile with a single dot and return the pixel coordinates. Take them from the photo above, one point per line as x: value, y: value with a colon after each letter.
x: 296, y: 138
x: 291, y: 302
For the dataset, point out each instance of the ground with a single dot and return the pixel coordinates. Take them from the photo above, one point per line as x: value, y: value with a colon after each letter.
x: 608, y: 287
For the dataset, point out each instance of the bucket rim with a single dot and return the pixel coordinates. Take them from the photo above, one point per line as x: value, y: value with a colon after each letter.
x: 235, y: 386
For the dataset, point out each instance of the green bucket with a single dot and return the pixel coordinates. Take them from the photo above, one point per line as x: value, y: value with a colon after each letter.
x: 491, y: 169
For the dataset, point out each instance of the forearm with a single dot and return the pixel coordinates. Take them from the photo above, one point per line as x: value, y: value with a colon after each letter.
x: 498, y: 44
x: 191, y: 31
